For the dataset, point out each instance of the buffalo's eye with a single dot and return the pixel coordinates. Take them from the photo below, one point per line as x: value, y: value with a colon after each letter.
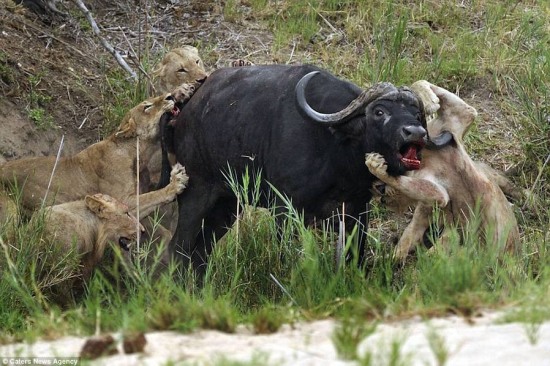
x: 183, y: 69
x: 378, y: 112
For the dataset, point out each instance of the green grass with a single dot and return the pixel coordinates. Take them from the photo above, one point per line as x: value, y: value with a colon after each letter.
x: 494, y: 51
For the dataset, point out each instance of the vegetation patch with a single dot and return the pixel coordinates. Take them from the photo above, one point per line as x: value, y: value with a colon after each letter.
x: 494, y: 54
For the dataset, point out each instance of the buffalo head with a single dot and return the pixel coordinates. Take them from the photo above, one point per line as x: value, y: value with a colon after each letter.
x: 392, y: 121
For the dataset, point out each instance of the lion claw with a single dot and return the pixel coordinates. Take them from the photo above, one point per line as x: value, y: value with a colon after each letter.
x: 179, y: 177
x: 184, y: 92
x: 426, y: 94
x: 376, y: 164
x: 241, y: 63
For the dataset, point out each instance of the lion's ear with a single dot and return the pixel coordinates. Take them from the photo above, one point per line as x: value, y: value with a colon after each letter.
x: 158, y: 71
x: 96, y: 204
x: 127, y: 129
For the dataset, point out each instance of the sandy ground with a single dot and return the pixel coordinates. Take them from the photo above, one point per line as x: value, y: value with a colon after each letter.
x: 485, y: 342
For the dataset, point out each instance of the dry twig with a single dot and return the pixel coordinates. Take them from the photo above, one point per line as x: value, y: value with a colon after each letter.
x: 104, y: 42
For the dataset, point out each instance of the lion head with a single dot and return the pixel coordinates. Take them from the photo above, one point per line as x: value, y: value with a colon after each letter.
x: 143, y: 119
x: 181, y: 65
x: 118, y: 225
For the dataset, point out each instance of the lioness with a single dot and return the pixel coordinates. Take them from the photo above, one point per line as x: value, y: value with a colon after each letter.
x: 92, y: 223
x: 109, y: 166
x: 89, y: 226
x: 179, y: 66
x: 183, y: 65
x: 449, y: 178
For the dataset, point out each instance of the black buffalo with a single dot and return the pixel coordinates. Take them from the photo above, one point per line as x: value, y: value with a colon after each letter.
x: 306, y: 130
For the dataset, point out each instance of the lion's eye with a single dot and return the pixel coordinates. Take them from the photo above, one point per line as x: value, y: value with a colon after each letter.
x: 197, y: 62
x: 147, y: 107
x: 183, y: 69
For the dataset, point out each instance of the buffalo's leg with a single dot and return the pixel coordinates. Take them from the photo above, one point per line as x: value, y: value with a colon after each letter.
x: 216, y: 223
x: 194, y: 204
x: 358, y: 217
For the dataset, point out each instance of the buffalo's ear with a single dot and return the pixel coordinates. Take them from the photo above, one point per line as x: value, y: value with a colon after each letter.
x: 96, y: 204
x: 440, y: 141
x: 127, y: 129
x: 351, y: 130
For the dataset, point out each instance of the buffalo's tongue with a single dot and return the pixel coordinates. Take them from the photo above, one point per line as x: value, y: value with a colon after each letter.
x: 410, y: 158
x: 410, y: 154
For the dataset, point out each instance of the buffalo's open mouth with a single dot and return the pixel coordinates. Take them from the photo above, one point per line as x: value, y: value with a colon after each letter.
x: 125, y: 243
x: 409, y: 155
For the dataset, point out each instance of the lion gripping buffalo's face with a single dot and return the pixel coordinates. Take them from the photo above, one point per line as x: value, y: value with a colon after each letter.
x: 401, y: 122
x: 394, y: 122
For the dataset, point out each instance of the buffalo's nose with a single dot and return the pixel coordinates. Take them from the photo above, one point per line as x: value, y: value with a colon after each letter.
x: 413, y: 133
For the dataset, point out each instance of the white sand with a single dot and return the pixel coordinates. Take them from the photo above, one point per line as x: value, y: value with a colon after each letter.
x: 486, y: 342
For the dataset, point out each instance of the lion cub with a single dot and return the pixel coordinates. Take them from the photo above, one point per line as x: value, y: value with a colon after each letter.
x: 449, y: 178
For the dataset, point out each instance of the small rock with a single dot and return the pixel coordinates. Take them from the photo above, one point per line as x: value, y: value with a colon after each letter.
x: 98, y: 346
x: 134, y: 343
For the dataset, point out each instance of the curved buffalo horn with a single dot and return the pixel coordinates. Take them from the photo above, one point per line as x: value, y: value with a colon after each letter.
x: 442, y: 140
x: 353, y: 109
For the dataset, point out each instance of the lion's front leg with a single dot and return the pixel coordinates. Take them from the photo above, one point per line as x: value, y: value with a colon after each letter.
x: 148, y: 202
x: 418, y: 189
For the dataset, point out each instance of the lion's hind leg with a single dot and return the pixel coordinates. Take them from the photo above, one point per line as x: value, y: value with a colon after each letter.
x: 429, y: 99
x: 455, y: 115
x: 414, y: 232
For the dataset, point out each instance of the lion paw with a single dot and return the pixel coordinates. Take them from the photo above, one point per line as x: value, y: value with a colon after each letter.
x: 391, y: 192
x: 240, y: 63
x: 184, y: 92
x: 179, y: 178
x: 376, y: 164
x: 426, y: 94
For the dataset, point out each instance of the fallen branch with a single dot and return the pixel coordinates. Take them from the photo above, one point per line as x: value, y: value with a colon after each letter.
x: 104, y: 42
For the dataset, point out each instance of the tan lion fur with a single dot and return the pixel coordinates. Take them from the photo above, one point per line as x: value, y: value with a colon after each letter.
x: 179, y: 66
x: 89, y: 226
x: 108, y: 166
x: 449, y: 179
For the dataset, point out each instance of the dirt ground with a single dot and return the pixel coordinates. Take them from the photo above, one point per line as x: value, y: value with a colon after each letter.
x: 55, y: 63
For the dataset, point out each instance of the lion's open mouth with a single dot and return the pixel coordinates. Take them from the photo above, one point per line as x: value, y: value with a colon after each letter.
x: 125, y: 243
x: 409, y: 156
